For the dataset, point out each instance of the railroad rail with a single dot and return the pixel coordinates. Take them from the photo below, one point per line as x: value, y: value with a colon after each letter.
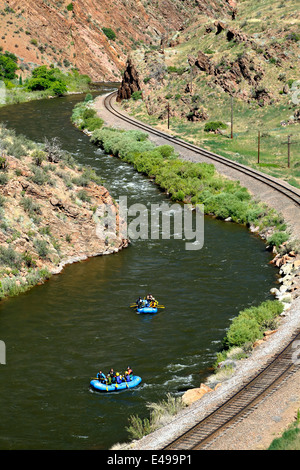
x: 242, y: 403
x: 275, y: 371
x: 273, y: 183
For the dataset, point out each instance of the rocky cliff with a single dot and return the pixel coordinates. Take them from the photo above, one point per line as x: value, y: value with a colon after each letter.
x: 252, y: 58
x: 72, y: 33
x: 254, y: 65
x: 49, y: 213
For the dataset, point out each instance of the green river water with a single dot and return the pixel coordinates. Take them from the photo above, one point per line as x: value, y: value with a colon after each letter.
x: 59, y: 334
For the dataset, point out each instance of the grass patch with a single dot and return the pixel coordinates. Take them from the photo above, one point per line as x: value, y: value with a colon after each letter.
x: 161, y: 413
x: 290, y: 439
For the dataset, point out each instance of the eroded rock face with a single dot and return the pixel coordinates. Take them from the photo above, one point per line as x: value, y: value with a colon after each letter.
x: 59, y: 215
x: 203, y: 63
x: 49, y: 33
x: 130, y: 82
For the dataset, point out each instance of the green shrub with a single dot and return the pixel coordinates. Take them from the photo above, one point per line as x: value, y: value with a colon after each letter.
x: 160, y: 414
x: 214, y: 125
x: 277, y: 239
x: 290, y: 439
x: 59, y: 88
x: 3, y: 179
x: 83, y: 196
x: 47, y: 79
x: 38, y: 157
x: 9, y: 257
x: 29, y: 205
x: 41, y: 247
x: 109, y: 33
x: 88, y: 113
x: 242, y: 330
x: 293, y: 36
x: 8, y: 66
x: 70, y: 7
x: 93, y: 123
x: 138, y: 427
x: 28, y: 260
x: 251, y: 323
x: 166, y: 150
x: 88, y: 97
x: 39, y: 177
x: 81, y: 181
x: 137, y: 95
x: 177, y: 70
x: 3, y: 163
x: 9, y: 286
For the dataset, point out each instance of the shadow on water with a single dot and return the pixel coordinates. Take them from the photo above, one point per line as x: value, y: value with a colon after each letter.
x: 58, y: 335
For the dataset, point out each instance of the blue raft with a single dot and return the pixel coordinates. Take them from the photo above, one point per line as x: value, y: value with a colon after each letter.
x: 96, y: 385
x: 146, y: 308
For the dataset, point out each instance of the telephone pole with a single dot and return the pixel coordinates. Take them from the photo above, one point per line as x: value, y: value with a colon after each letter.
x: 191, y: 80
x: 289, y: 150
x: 168, y: 108
x: 258, y: 147
x: 231, y: 117
x: 289, y: 143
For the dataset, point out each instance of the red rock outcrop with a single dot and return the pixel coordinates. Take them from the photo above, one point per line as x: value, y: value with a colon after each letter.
x: 130, y: 82
x: 59, y: 217
x: 70, y: 33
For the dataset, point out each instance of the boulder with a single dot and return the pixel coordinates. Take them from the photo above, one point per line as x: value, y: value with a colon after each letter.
x: 269, y: 333
x: 297, y: 264
x: 194, y: 394
x: 203, y: 63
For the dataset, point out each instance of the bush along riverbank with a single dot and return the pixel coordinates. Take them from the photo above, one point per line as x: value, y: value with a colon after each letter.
x: 194, y: 183
x: 185, y: 181
x: 48, y: 212
x: 44, y: 82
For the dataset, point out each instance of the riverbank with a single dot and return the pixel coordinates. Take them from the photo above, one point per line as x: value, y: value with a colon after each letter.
x: 51, y: 211
x: 289, y: 321
x: 183, y: 181
x: 267, y: 421
x: 43, y: 84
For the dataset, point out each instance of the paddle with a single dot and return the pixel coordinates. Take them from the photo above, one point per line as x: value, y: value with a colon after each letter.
x: 157, y: 306
x: 96, y: 378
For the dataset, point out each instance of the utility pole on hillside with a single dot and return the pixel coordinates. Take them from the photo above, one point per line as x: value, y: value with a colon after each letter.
x: 289, y: 150
x: 289, y: 143
x: 168, y: 108
x: 191, y: 80
x: 231, y: 117
x: 258, y: 147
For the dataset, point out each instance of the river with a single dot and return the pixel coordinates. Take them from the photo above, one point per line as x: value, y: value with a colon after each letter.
x: 59, y: 334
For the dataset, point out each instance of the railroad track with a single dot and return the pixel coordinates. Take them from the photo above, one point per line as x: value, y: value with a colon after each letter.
x: 275, y: 372
x: 242, y: 403
x: 291, y: 193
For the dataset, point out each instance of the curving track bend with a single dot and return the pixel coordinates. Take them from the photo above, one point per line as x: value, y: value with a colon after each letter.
x: 285, y: 189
